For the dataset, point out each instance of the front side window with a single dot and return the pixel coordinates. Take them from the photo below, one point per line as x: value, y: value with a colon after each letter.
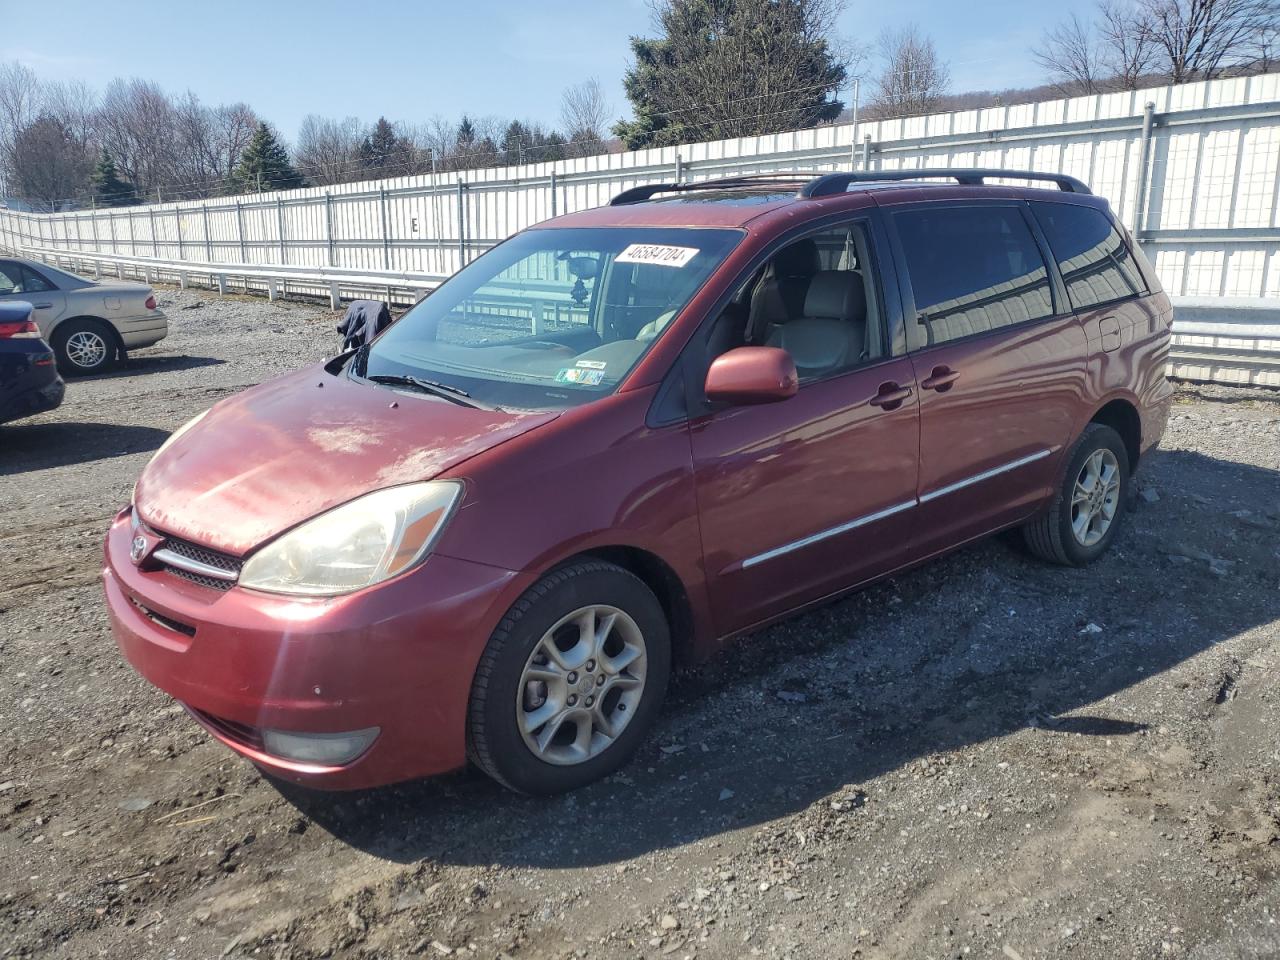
x: 972, y: 269
x: 816, y: 299
x: 1096, y: 264
x: 551, y: 318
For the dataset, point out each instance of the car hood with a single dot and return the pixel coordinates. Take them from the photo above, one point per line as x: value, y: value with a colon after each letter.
x: 280, y: 453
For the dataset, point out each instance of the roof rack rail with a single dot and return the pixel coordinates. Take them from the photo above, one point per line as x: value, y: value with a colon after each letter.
x: 645, y: 192
x: 834, y: 183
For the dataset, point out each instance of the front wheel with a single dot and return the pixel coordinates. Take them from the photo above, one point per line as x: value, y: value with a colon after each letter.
x: 1081, y: 520
x: 571, y: 681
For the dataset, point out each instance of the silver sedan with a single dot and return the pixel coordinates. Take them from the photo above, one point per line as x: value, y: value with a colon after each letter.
x: 87, y: 322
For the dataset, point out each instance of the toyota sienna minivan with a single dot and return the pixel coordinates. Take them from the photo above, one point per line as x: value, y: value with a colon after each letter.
x: 623, y: 437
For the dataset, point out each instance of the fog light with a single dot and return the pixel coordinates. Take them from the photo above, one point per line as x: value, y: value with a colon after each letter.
x: 329, y: 749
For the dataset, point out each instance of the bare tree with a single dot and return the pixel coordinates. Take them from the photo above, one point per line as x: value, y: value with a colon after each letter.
x: 1069, y: 51
x: 19, y: 106
x: 75, y: 105
x: 1128, y: 43
x: 1266, y: 47
x: 138, y: 123
x: 914, y: 78
x: 49, y: 166
x: 1196, y: 39
x: 231, y: 127
x: 584, y: 112
x: 328, y: 149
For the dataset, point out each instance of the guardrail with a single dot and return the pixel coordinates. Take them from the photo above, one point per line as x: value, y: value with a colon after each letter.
x: 276, y: 280
x: 1228, y: 340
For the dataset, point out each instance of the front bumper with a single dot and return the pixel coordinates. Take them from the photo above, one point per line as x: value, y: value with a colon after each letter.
x: 399, y: 656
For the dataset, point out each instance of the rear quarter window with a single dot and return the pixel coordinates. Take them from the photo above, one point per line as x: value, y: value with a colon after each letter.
x: 1093, y: 258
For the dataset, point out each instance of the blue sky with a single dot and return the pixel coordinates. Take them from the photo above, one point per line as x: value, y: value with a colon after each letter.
x: 411, y: 61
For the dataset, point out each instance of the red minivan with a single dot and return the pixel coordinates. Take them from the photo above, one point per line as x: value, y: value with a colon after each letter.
x: 619, y: 439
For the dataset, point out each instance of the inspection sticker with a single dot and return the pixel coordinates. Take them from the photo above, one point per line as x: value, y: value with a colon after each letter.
x: 658, y: 254
x: 587, y: 378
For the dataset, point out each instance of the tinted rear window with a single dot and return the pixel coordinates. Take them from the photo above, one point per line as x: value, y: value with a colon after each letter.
x: 1094, y: 260
x: 973, y: 269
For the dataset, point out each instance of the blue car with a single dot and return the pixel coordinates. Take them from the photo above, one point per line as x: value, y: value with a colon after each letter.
x: 29, y: 381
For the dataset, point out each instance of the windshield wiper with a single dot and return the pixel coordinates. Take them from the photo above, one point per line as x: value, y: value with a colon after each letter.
x: 446, y: 391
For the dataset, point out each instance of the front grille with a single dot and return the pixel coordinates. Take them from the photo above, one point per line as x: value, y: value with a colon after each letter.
x: 212, y: 558
x: 200, y: 554
x: 212, y: 582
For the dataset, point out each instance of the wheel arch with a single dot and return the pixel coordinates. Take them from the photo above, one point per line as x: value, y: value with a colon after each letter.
x: 110, y: 327
x: 1121, y: 415
x: 665, y: 583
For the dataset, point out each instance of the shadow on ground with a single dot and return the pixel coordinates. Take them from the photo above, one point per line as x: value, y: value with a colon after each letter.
x: 150, y: 363
x: 921, y: 664
x: 40, y: 446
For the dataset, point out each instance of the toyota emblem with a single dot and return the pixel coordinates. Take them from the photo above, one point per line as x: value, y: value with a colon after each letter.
x: 139, y: 549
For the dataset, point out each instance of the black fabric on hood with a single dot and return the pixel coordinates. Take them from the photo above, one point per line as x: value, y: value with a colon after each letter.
x: 364, y: 320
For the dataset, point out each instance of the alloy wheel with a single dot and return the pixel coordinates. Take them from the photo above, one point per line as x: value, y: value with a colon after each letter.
x: 86, y: 349
x: 581, y: 685
x: 1095, y: 497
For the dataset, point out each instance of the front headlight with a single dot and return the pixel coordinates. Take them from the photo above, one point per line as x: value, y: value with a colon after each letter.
x: 357, y: 544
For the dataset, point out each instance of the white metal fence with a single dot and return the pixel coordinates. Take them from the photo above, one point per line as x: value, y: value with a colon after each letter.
x: 1196, y: 176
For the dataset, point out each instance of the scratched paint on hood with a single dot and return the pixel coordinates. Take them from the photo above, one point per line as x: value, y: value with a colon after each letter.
x: 285, y: 451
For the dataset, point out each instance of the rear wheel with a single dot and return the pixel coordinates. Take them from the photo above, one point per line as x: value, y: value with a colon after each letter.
x: 84, y: 347
x: 571, y: 680
x: 1082, y: 519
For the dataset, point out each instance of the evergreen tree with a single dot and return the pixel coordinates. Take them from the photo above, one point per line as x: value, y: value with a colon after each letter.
x: 108, y: 189
x: 691, y: 83
x: 551, y: 148
x: 465, y: 141
x: 265, y: 165
x: 386, y: 151
x: 516, y: 143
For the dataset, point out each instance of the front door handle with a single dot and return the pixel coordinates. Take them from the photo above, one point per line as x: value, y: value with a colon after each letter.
x: 43, y: 306
x: 890, y: 396
x: 941, y: 379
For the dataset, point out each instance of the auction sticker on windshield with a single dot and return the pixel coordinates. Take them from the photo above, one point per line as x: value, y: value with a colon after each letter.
x: 657, y: 254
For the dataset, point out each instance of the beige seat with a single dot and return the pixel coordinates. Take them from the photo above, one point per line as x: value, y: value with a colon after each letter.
x: 654, y: 327
x: 831, y: 333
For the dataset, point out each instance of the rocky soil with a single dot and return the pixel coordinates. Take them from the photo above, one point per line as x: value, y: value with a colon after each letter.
x: 987, y: 757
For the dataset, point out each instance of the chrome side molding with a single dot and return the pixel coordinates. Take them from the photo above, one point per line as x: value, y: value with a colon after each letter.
x: 895, y: 509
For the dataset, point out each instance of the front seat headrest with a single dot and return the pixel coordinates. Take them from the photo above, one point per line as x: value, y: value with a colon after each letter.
x: 799, y: 259
x: 836, y: 295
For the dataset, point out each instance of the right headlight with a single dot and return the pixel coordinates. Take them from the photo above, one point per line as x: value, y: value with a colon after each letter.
x: 356, y: 545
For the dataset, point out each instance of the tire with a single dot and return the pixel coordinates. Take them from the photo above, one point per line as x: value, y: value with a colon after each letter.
x: 1058, y: 534
x: 504, y: 744
x: 84, y: 347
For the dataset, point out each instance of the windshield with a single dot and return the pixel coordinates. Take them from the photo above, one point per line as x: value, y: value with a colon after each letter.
x: 551, y: 318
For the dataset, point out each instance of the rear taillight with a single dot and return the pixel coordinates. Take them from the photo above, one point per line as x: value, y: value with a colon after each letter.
x: 25, y: 330
x: 151, y: 303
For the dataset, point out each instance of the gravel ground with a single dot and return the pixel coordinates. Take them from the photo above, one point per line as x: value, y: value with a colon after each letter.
x: 987, y: 757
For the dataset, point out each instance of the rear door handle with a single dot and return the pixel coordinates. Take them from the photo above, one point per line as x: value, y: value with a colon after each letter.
x: 890, y: 396
x: 43, y: 306
x: 940, y: 379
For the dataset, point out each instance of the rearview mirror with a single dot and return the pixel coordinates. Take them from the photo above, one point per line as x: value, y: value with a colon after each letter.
x: 752, y: 375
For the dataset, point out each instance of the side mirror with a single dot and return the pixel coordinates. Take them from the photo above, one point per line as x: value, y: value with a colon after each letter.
x: 752, y: 375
